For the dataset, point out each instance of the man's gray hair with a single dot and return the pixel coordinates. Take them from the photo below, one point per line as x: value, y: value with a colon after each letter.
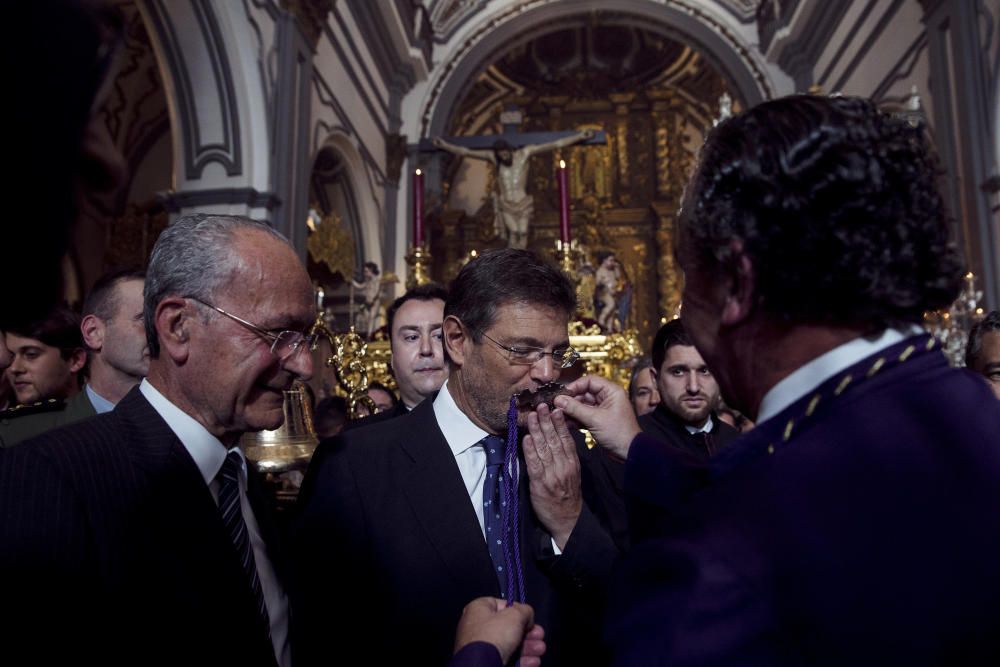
x: 193, y: 257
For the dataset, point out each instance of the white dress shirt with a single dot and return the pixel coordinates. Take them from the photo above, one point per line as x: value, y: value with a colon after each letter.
x: 463, y: 438
x: 814, y: 373
x: 209, y: 454
x: 705, y: 428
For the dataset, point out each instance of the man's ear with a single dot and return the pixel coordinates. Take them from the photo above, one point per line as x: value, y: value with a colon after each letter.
x: 92, y: 328
x: 77, y: 360
x: 454, y: 339
x: 173, y: 321
x: 741, y: 297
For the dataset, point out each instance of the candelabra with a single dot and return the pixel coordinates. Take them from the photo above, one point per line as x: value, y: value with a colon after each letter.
x: 951, y: 326
x: 418, y: 261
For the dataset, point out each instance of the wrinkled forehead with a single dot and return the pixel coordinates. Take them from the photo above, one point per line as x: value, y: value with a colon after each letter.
x: 268, y: 275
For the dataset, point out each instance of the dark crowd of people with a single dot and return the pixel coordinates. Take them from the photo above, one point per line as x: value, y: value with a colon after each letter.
x: 795, y: 475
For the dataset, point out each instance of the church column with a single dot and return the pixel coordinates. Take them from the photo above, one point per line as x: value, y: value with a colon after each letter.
x: 960, y: 88
x: 291, y: 163
x: 212, y: 56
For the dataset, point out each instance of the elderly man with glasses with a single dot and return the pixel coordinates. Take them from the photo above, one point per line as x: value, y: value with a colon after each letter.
x: 408, y: 516
x: 146, y: 520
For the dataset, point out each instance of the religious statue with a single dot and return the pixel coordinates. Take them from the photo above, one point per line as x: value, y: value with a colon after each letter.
x: 607, y: 281
x: 370, y: 289
x: 513, y: 205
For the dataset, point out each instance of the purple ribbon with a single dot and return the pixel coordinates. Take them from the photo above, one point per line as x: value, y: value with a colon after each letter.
x: 510, y: 512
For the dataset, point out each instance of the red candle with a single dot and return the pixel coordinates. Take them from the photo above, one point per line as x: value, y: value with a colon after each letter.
x: 418, y: 208
x: 563, y: 203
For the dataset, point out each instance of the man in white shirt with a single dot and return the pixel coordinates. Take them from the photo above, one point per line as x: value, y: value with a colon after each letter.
x: 146, y: 519
x: 856, y: 523
x: 400, y: 515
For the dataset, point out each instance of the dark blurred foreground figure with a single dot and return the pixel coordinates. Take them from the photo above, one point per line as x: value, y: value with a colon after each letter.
x: 856, y: 524
x: 982, y: 354
x: 66, y: 53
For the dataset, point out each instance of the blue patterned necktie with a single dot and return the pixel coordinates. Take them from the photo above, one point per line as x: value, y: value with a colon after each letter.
x: 492, y: 506
x: 232, y: 517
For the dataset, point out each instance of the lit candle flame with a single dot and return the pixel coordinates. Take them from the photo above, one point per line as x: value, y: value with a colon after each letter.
x: 419, y: 172
x: 562, y: 164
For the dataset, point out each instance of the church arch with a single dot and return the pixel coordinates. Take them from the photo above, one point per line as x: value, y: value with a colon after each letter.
x: 356, y: 200
x: 680, y: 20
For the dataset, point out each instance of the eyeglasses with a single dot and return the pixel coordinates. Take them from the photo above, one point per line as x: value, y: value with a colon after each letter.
x: 527, y: 356
x: 284, y: 344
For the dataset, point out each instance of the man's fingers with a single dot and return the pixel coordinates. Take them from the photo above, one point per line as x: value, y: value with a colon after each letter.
x: 565, y: 438
x: 540, y: 438
x: 532, y: 462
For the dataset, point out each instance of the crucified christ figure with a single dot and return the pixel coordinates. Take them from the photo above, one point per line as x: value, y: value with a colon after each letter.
x: 514, y: 206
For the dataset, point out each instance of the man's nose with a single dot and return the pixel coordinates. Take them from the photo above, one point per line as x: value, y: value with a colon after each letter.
x: 426, y: 347
x: 301, y: 363
x: 17, y: 366
x: 693, y: 383
x: 545, y: 370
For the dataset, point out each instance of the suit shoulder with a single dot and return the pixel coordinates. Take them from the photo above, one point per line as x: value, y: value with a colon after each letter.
x: 38, y: 408
x: 22, y: 422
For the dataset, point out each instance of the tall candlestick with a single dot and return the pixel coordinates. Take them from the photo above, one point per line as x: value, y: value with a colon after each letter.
x: 418, y: 208
x: 563, y: 203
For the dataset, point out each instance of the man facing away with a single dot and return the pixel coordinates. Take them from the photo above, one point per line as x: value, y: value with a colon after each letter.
x: 856, y: 523
x: 147, y: 519
x: 115, y: 336
x: 982, y: 353
x: 47, y: 360
x: 689, y: 393
x: 401, y: 515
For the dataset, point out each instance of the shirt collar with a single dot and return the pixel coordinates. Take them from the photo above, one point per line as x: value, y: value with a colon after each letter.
x: 207, y: 451
x: 705, y: 428
x: 817, y: 371
x: 101, y: 404
x: 459, y: 431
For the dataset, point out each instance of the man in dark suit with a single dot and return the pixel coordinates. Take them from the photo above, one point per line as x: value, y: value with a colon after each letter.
x: 685, y: 417
x: 856, y: 524
x: 140, y: 536
x: 396, y: 515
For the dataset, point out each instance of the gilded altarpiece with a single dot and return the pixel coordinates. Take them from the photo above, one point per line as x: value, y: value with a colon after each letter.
x: 624, y: 194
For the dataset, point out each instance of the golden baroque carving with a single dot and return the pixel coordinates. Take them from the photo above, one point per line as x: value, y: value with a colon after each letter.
x: 331, y: 243
x: 670, y: 277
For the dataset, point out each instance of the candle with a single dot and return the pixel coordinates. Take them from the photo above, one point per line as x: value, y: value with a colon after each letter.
x: 418, y: 208
x: 563, y: 203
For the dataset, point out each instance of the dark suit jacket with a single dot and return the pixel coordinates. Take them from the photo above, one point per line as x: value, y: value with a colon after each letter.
x: 114, y: 551
x: 666, y: 426
x: 855, y: 528
x: 397, y: 410
x: 387, y: 528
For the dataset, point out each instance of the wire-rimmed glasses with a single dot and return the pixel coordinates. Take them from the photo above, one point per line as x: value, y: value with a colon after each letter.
x: 527, y: 356
x: 284, y: 344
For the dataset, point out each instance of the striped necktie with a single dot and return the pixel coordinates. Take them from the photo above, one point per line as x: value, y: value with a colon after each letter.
x: 232, y: 517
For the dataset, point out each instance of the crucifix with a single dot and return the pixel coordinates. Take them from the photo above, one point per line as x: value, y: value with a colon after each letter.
x: 509, y: 152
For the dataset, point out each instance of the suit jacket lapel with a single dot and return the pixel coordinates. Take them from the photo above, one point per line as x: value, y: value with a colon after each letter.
x: 184, y: 518
x: 437, y: 494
